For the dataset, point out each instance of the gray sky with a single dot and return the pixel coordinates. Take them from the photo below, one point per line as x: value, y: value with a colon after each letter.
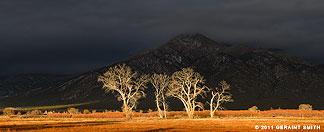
x: 70, y: 36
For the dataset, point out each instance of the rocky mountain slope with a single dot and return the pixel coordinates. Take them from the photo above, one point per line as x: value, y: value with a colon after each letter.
x: 19, y: 85
x: 262, y: 77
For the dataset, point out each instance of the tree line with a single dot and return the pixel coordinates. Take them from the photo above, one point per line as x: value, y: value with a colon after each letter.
x: 185, y: 85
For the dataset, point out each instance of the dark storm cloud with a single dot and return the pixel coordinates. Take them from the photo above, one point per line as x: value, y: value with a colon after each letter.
x: 68, y: 36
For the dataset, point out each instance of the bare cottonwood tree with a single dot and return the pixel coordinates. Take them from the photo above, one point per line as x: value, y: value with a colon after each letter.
x: 160, y: 82
x: 128, y: 84
x: 220, y: 96
x: 186, y: 85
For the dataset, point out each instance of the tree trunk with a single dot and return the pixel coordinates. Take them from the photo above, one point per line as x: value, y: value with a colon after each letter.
x: 158, y: 107
x: 211, y: 114
x: 211, y: 106
x: 127, y: 111
x: 164, y: 110
x: 211, y: 109
x: 190, y: 113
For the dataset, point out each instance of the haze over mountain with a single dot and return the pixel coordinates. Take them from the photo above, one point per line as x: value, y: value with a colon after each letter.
x: 263, y: 77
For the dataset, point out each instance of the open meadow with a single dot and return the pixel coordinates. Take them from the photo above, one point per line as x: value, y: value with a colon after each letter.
x: 273, y: 120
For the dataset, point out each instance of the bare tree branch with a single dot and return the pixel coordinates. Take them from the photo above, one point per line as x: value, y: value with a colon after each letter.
x: 220, y: 96
x: 186, y: 85
x: 128, y: 84
x: 160, y: 82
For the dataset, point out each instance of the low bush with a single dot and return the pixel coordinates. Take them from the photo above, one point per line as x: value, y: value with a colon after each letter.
x: 86, y: 111
x: 149, y: 111
x: 9, y: 111
x: 305, y: 107
x: 254, y: 109
x: 73, y: 111
x: 36, y: 112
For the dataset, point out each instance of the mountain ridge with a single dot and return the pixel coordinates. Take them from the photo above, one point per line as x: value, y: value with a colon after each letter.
x: 258, y: 76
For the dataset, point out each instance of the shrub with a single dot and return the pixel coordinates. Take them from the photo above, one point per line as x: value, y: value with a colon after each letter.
x: 254, y: 109
x: 178, y: 116
x: 86, y: 111
x: 149, y: 111
x: 9, y: 111
x: 73, y: 111
x: 34, y: 112
x: 305, y: 107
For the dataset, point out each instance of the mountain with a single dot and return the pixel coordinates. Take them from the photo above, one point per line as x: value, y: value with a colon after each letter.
x: 19, y: 85
x: 263, y: 77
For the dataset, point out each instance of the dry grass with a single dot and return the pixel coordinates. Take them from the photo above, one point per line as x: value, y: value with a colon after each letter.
x: 145, y: 124
x: 100, y: 115
x: 52, y: 107
x: 114, y: 121
x: 198, y: 114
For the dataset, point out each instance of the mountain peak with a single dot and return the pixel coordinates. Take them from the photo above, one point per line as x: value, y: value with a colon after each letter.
x: 190, y: 36
x: 192, y: 41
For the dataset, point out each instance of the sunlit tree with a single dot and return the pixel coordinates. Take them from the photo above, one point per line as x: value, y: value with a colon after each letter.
x: 160, y: 82
x: 129, y: 86
x: 220, y: 96
x: 187, y: 85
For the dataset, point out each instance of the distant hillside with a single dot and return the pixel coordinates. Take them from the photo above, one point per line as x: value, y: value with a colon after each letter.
x: 18, y: 85
x: 262, y: 77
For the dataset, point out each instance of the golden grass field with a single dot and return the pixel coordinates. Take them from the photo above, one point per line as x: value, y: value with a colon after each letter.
x: 148, y: 122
